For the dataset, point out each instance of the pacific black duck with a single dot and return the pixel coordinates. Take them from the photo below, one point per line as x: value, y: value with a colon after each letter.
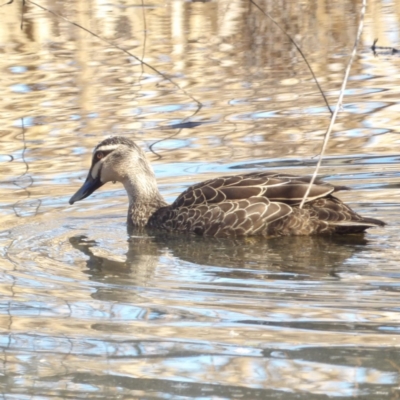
x: 258, y: 203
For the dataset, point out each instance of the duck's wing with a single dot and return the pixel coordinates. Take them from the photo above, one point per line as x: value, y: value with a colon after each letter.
x: 260, y: 203
x: 281, y: 188
x: 236, y: 205
x: 223, y: 219
x: 295, y: 178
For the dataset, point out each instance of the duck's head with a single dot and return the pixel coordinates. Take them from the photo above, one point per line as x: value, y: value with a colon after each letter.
x: 114, y: 159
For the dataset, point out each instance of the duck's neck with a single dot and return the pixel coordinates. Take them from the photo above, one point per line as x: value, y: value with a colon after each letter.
x: 144, y: 198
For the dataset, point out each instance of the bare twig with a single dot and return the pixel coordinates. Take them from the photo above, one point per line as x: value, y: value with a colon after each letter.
x: 391, y: 50
x: 144, y: 45
x: 22, y: 15
x: 22, y: 12
x: 338, y: 104
x: 299, y: 50
x: 9, y: 2
x: 25, y: 173
x: 145, y: 34
x: 199, y: 104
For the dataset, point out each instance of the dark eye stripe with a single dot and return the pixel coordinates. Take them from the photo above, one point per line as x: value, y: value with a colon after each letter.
x: 104, y: 153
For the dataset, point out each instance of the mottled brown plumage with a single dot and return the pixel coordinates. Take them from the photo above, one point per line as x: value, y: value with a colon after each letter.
x: 261, y: 203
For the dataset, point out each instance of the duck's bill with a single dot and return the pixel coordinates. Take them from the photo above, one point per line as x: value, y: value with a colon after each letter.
x: 87, y: 189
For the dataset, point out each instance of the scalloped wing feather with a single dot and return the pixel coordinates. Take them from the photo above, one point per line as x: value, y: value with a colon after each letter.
x: 259, y: 204
x: 282, y: 188
x: 229, y: 218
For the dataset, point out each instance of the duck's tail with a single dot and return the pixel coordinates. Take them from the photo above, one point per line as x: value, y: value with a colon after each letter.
x: 356, y: 226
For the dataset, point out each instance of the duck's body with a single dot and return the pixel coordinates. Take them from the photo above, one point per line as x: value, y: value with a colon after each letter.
x: 263, y: 203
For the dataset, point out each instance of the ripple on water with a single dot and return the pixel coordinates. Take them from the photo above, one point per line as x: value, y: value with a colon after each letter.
x: 170, y: 309
x: 88, y: 311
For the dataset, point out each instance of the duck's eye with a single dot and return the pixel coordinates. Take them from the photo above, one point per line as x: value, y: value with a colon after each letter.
x: 100, y: 155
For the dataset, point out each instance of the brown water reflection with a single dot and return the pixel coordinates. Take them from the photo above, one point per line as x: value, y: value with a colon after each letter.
x: 89, y: 311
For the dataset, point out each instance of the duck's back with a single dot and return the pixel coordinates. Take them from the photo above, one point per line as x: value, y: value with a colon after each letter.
x: 263, y: 203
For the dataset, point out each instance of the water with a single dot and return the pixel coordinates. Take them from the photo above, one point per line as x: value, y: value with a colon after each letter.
x: 89, y: 310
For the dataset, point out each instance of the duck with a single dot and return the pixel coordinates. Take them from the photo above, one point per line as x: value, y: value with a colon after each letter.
x: 257, y: 203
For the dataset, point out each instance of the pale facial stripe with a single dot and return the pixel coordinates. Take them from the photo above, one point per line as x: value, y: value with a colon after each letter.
x: 105, y: 148
x: 95, y: 170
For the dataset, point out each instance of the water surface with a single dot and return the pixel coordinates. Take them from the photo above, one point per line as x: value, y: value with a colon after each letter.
x: 89, y: 310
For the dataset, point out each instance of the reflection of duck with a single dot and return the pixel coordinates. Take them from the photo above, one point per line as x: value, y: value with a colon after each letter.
x: 263, y: 203
x: 301, y: 254
x: 299, y: 258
